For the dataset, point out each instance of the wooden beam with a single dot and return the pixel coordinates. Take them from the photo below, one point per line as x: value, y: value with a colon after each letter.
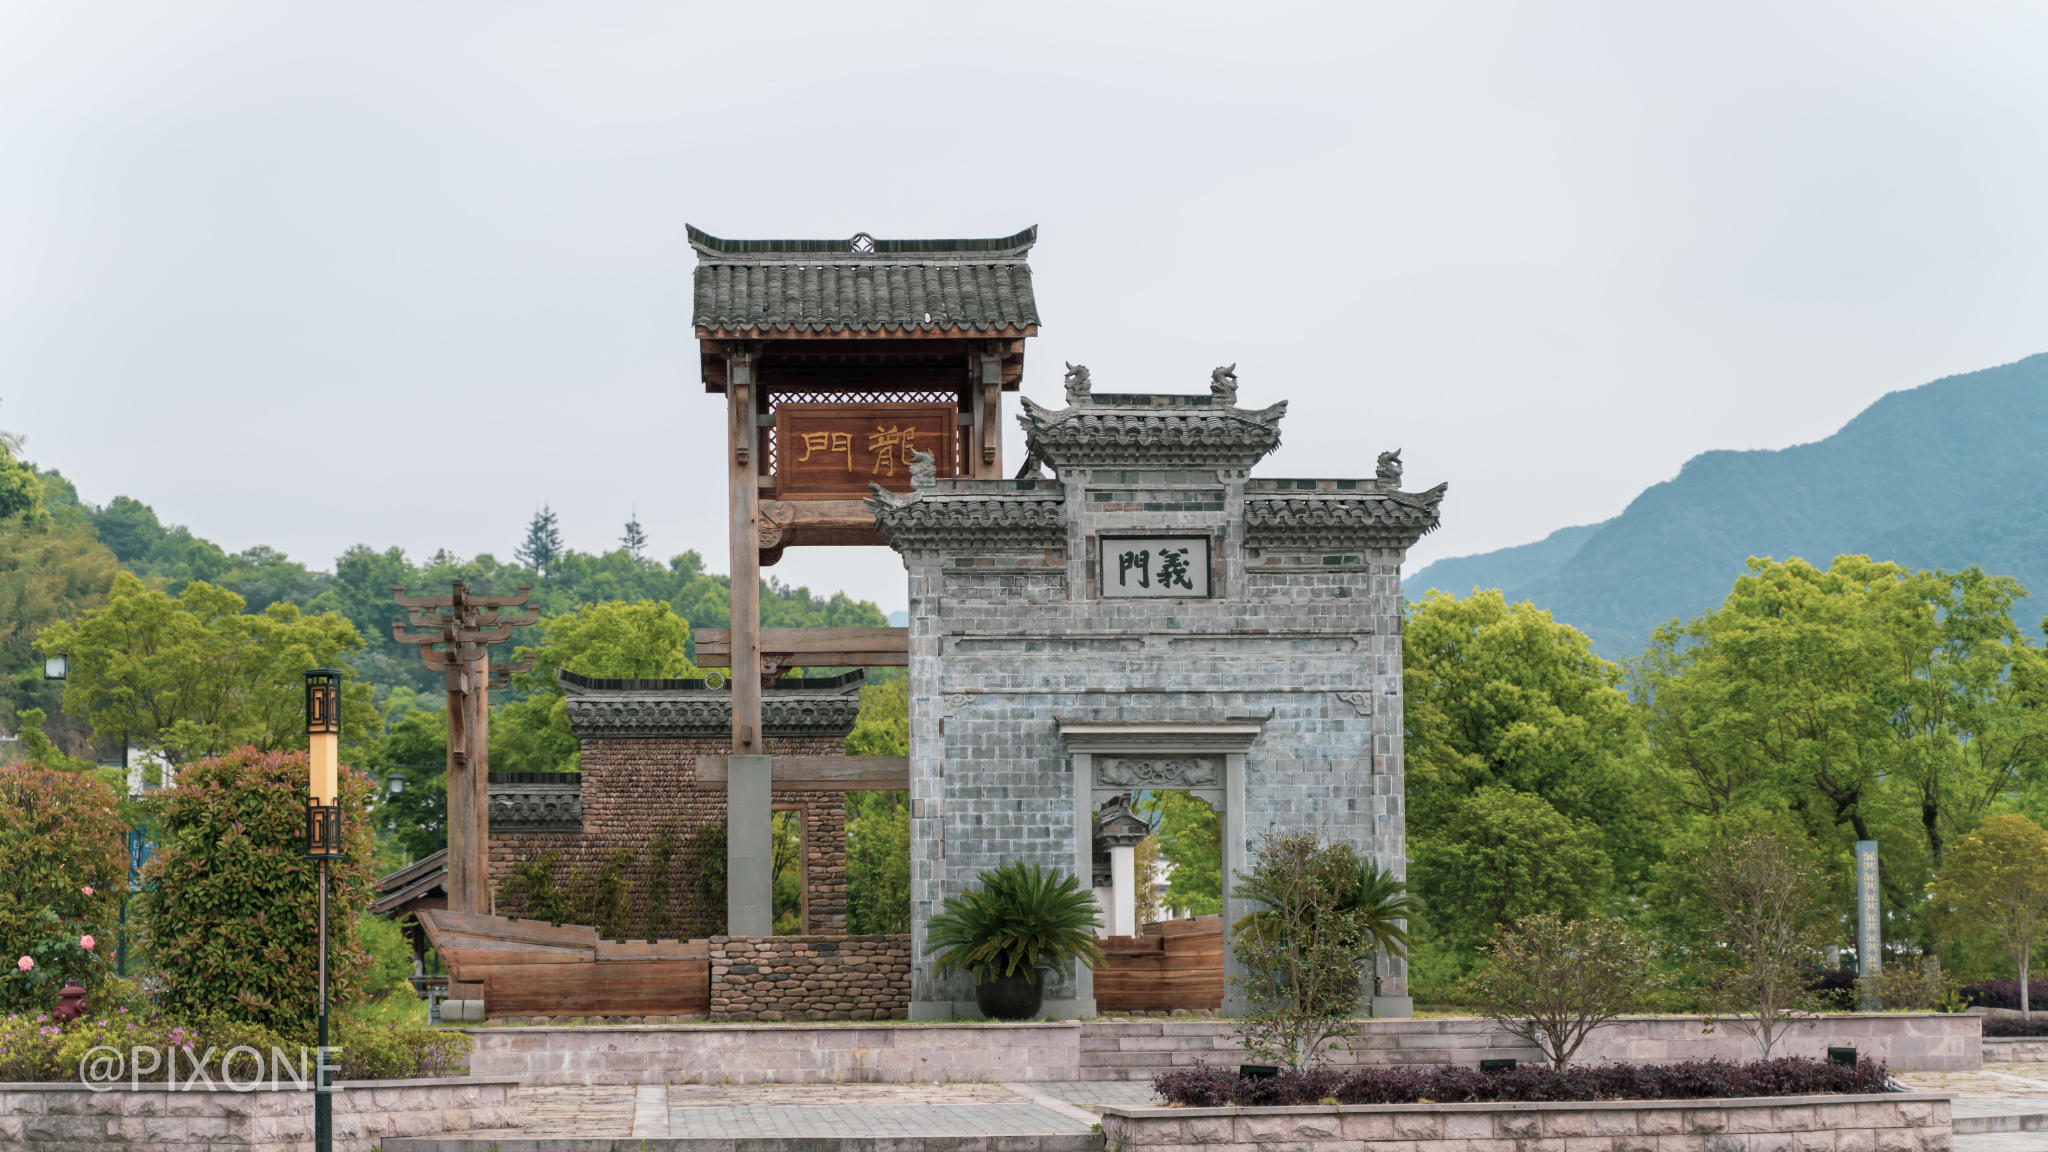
x: 820, y: 773
x: 823, y: 647
x: 742, y: 443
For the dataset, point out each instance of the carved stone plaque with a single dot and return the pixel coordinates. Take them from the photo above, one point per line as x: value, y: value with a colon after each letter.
x: 1153, y: 567
x: 1158, y: 772
x: 833, y: 451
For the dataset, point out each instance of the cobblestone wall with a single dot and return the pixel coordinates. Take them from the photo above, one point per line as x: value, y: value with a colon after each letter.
x: 632, y: 788
x: 809, y: 977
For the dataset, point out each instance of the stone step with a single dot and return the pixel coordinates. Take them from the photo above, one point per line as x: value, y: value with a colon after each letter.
x: 2001, y: 1122
x: 1074, y: 1142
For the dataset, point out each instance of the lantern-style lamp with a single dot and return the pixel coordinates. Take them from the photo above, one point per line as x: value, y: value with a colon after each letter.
x: 57, y: 667
x: 323, y: 740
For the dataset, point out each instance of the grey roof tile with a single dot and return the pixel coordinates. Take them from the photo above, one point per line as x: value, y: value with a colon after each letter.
x: 830, y: 286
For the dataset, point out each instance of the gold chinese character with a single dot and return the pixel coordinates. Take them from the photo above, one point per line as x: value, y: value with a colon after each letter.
x: 828, y: 442
x: 891, y: 446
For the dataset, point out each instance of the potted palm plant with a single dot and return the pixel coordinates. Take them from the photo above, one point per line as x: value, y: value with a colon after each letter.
x: 1017, y: 920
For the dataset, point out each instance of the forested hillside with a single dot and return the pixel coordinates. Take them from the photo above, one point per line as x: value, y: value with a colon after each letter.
x: 60, y: 562
x: 1946, y: 475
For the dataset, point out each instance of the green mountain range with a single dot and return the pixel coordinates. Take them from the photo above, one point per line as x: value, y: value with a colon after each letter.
x: 1945, y: 475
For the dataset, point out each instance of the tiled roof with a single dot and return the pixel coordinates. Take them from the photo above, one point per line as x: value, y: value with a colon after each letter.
x: 934, y: 287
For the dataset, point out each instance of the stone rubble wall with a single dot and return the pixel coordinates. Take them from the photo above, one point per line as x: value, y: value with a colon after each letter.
x: 1905, y: 1122
x: 65, y: 1117
x: 2015, y: 1049
x: 777, y: 1053
x: 632, y: 787
x: 775, y: 978
x: 1905, y: 1042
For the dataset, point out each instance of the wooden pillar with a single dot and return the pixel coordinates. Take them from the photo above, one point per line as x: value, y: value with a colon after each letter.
x: 464, y: 816
x: 480, y: 785
x: 742, y: 441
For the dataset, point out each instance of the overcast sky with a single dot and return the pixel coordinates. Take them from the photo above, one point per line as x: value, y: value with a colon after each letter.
x: 434, y: 252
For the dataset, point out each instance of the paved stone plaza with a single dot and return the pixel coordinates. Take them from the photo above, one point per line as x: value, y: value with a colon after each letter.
x: 2002, y: 1108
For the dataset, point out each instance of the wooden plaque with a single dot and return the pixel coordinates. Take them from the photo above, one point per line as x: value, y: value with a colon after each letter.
x: 833, y: 451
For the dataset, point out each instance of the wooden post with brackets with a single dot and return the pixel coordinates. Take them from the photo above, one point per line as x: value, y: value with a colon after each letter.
x: 455, y: 634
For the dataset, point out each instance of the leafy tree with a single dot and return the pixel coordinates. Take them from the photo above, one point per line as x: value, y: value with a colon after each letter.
x: 231, y: 892
x: 786, y: 837
x: 635, y: 540
x: 1995, y: 882
x: 192, y: 675
x: 1769, y: 914
x: 543, y: 542
x: 1504, y: 696
x: 1552, y: 981
x: 414, y: 753
x: 877, y: 862
x: 47, y: 574
x: 638, y: 640
x: 1190, y: 839
x: 1324, y: 914
x: 1871, y: 702
x: 21, y: 494
x: 1500, y: 855
x: 883, y: 726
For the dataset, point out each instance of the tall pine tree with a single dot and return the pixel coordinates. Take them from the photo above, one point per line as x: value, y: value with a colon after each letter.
x: 543, y: 542
x: 635, y: 540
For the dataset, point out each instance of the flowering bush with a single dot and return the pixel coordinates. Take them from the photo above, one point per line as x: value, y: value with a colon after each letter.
x: 33, y: 1048
x: 1203, y: 1086
x: 229, y: 907
x: 65, y: 870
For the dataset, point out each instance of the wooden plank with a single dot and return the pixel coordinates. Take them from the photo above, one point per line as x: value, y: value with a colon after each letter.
x: 825, y: 647
x: 839, y: 449
x: 820, y: 773
x: 506, y: 928
x: 815, y: 520
x: 600, y: 988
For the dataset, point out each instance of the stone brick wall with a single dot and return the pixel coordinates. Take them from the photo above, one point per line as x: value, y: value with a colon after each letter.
x: 1896, y: 1122
x: 633, y: 787
x: 1905, y: 1041
x: 776, y: 1053
x: 810, y: 977
x: 2015, y: 1049
x: 152, y: 1118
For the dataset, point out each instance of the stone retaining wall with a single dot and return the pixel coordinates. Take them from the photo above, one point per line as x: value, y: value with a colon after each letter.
x: 153, y: 1118
x: 2015, y: 1049
x: 1897, y: 1122
x: 777, y: 1053
x: 1907, y: 1042
x: 809, y: 977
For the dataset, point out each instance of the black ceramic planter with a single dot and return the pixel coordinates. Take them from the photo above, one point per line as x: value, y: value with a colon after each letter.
x: 1015, y: 997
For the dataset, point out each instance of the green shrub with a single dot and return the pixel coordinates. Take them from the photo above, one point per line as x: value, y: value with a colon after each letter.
x: 400, y: 1051
x: 229, y: 907
x: 390, y: 956
x: 1017, y: 918
x: 65, y: 869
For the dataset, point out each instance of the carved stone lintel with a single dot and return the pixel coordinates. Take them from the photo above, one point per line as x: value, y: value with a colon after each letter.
x: 1158, y: 772
x: 953, y: 702
x: 1361, y: 702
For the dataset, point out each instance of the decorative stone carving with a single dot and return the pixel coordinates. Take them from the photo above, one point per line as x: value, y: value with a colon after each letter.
x: 1223, y: 385
x: 1158, y: 772
x: 953, y: 702
x: 1077, y: 384
x: 924, y: 470
x: 525, y: 804
x: 1151, y: 432
x: 1326, y: 521
x: 1028, y: 518
x: 1389, y: 472
x: 643, y: 715
x: 1361, y: 702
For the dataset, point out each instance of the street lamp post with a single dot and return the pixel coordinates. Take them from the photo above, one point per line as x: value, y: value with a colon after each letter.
x: 323, y: 843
